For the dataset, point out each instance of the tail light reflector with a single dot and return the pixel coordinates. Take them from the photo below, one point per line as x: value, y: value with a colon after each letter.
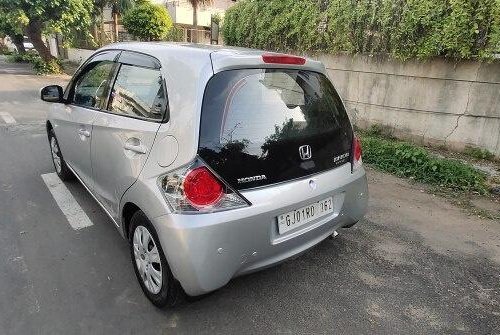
x: 201, y: 188
x: 356, y: 153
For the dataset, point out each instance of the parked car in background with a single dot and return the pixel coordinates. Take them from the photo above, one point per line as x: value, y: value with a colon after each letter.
x: 27, y: 44
x: 211, y: 162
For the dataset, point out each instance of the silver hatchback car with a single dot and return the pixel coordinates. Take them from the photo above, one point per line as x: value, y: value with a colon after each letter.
x: 212, y: 162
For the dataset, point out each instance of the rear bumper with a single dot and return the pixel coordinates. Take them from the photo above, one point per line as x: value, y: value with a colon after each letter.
x: 205, y: 251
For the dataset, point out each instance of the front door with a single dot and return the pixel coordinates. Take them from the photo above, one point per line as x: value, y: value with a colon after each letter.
x: 88, y: 93
x: 123, y: 136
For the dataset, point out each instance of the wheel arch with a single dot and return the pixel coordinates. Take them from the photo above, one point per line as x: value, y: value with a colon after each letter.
x: 129, y: 209
x: 48, y: 126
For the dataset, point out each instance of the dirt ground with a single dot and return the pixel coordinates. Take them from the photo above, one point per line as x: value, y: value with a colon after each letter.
x: 434, y: 244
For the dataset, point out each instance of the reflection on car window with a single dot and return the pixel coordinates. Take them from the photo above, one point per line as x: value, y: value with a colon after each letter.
x: 138, y: 92
x: 282, y: 105
x: 91, y: 87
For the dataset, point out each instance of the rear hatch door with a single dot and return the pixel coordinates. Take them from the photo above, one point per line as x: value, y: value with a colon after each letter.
x: 269, y: 125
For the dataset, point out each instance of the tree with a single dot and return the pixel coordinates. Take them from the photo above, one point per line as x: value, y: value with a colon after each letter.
x: 12, y: 25
x: 50, y: 16
x: 148, y: 21
x: 196, y: 4
x: 120, y: 7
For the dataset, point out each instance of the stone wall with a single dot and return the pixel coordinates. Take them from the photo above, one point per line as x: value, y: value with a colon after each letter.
x: 79, y: 55
x: 436, y: 102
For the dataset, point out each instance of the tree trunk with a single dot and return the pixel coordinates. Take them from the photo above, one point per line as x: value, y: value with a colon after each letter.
x: 194, y: 32
x: 115, y: 26
x: 34, y: 31
x: 18, y: 41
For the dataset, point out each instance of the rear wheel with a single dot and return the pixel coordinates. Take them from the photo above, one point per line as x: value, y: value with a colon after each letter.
x: 150, y: 264
x: 60, y: 166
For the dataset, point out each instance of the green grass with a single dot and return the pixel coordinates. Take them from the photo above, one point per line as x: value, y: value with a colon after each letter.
x: 479, y: 153
x: 408, y: 160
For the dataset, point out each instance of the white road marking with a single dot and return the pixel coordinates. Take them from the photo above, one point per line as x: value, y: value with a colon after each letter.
x: 63, y: 197
x: 7, y: 118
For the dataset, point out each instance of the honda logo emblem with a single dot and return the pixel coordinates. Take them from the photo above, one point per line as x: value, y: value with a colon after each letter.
x: 305, y: 152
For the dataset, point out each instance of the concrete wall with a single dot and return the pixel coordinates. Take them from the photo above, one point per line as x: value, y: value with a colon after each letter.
x: 79, y: 55
x: 436, y: 102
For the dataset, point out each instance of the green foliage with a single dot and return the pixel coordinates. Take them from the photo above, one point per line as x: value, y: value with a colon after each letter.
x: 40, y: 66
x: 401, y: 28
x: 406, y: 160
x: 148, y: 21
x: 479, y: 153
x: 56, y: 15
x: 27, y: 57
x: 175, y: 34
x: 216, y: 18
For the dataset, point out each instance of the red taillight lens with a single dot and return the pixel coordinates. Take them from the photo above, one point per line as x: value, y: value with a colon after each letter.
x: 201, y: 187
x: 357, y: 149
x: 283, y: 59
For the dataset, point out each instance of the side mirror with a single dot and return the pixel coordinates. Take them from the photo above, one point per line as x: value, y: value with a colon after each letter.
x: 52, y: 93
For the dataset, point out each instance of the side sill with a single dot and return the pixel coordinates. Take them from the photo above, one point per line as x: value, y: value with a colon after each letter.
x: 93, y: 196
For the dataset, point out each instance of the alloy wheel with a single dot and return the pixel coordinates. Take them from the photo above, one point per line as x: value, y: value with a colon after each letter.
x: 147, y: 259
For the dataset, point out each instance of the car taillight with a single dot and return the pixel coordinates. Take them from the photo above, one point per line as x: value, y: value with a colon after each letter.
x: 357, y: 153
x: 283, y: 59
x: 195, y: 188
x: 201, y: 188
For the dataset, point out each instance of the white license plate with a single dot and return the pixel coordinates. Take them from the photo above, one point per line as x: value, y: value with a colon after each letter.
x: 303, y: 215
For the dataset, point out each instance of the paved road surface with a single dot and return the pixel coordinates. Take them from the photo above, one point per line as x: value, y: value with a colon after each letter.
x: 416, y: 265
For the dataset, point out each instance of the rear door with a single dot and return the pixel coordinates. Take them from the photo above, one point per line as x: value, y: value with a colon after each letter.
x: 86, y: 95
x: 266, y: 126
x: 123, y: 135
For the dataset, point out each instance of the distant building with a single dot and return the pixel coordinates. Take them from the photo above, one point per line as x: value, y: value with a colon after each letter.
x: 181, y: 12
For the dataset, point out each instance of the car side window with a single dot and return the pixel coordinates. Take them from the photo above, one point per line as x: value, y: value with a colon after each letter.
x: 91, y: 88
x: 138, y: 92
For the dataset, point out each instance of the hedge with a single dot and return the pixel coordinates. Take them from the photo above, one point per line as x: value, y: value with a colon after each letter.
x: 404, y: 29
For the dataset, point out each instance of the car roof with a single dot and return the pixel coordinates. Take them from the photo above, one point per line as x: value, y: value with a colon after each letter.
x: 222, y: 57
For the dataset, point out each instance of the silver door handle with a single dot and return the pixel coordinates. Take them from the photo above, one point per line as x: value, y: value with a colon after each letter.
x: 84, y: 132
x: 140, y: 149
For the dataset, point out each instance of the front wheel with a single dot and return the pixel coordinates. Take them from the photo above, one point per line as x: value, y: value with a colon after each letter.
x: 62, y: 169
x: 150, y: 264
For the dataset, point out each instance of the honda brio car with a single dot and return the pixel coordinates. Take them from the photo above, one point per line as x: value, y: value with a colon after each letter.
x: 212, y: 162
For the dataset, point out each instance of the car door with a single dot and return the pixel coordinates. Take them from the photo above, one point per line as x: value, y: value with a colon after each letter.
x: 86, y: 94
x: 122, y: 136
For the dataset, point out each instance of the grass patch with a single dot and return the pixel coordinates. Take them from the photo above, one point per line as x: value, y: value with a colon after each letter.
x: 479, y: 153
x: 407, y: 160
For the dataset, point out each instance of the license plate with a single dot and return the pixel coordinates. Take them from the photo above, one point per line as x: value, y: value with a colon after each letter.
x: 303, y: 215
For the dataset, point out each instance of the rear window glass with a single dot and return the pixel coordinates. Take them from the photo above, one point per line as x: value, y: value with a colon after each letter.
x: 279, y: 105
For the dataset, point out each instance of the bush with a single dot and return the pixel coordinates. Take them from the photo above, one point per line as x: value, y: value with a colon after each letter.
x: 42, y: 68
x: 27, y: 57
x: 39, y: 65
x: 401, y: 28
x: 406, y: 160
x: 479, y: 153
x: 148, y: 21
x: 175, y: 34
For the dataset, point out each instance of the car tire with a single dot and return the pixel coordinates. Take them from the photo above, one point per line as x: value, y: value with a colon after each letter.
x: 60, y: 165
x: 142, y: 241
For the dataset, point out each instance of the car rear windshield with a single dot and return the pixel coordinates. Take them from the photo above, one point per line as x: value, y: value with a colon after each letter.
x: 263, y: 126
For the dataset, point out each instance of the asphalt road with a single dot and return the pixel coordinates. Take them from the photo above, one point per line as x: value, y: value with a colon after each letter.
x: 415, y: 265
